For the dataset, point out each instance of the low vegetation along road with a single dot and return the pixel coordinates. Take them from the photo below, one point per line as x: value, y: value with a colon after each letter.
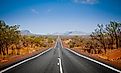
x: 58, y: 60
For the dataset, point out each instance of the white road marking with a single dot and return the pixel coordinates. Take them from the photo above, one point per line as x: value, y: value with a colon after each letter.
x: 57, y: 63
x: 60, y: 65
x: 59, y: 54
x: 94, y: 61
x: 61, y: 43
x: 24, y: 61
x: 59, y: 57
x: 55, y: 43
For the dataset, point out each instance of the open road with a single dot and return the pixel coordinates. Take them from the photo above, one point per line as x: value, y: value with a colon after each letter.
x: 58, y: 60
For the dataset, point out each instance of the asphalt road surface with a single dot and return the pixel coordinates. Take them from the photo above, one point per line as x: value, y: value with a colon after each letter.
x: 59, y: 60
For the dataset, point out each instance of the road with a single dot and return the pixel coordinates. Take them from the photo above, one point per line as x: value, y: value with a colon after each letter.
x: 59, y: 60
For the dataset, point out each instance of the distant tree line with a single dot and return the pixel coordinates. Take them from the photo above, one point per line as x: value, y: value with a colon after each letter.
x: 104, y: 37
x: 12, y: 40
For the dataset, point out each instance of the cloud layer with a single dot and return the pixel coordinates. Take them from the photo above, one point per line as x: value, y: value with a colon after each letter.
x: 86, y: 1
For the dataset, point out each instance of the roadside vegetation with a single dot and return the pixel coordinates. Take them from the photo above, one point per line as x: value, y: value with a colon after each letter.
x: 104, y: 42
x: 13, y: 43
x: 103, y: 38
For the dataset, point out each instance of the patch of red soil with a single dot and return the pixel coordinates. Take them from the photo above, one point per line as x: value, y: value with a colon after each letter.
x: 114, y: 54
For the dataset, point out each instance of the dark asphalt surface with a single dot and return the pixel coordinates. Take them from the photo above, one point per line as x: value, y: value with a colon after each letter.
x: 71, y: 63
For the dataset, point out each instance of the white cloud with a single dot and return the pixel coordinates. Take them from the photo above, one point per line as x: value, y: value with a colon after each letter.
x: 35, y: 11
x: 86, y: 1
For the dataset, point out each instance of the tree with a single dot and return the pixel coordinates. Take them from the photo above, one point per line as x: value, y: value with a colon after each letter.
x: 8, y: 36
x: 99, y: 35
x: 114, y: 31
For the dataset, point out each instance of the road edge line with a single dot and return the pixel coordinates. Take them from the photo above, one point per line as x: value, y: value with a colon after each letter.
x: 4, y: 70
x: 112, y: 68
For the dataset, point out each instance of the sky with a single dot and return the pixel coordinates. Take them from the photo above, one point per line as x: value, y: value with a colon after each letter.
x: 50, y: 16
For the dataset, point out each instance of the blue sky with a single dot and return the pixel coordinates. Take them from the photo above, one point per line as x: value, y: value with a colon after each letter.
x: 50, y: 16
